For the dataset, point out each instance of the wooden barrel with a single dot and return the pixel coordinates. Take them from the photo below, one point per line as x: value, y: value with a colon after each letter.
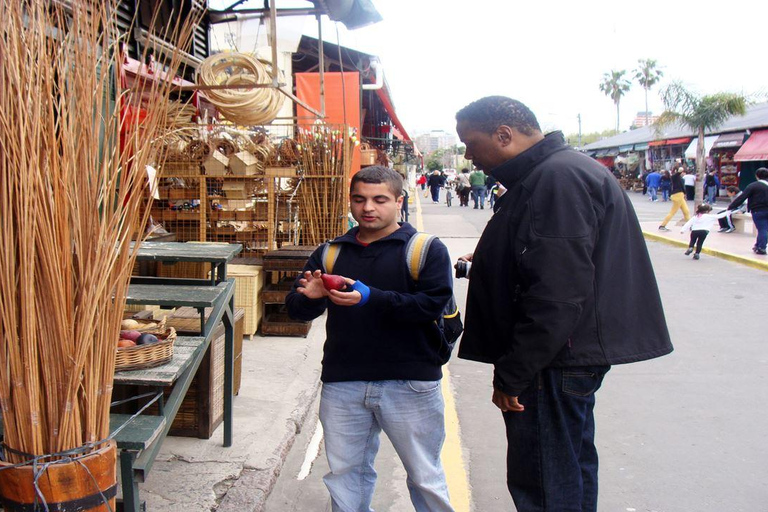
x: 80, y: 485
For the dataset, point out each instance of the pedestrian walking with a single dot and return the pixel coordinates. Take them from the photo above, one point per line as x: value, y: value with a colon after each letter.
x: 550, y: 304
x: 653, y: 180
x: 422, y: 182
x: 700, y: 225
x: 689, y: 180
x: 383, y: 353
x: 678, y: 199
x: 463, y: 187
x: 711, y: 185
x: 436, y: 181
x: 756, y: 194
x: 665, y: 185
x: 477, y: 180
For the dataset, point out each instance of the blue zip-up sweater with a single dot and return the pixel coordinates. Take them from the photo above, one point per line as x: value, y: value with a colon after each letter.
x: 394, y: 335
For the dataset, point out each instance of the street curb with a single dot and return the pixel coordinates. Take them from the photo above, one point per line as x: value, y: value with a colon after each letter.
x: 253, y: 486
x: 743, y: 260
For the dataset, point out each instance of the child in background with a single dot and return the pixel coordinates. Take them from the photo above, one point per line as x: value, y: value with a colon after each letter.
x: 700, y: 224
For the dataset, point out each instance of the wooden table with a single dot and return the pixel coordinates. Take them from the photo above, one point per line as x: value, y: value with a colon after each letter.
x: 140, y: 448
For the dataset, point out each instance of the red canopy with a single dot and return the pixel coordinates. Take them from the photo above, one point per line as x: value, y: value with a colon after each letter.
x: 756, y: 148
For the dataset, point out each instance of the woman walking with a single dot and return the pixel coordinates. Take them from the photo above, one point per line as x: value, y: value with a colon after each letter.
x: 678, y: 199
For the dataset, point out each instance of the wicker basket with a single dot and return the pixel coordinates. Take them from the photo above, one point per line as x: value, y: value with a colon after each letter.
x: 147, y: 356
x: 367, y: 154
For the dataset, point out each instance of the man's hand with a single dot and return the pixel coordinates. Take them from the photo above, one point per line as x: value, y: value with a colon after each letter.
x: 506, y: 403
x: 311, y: 285
x: 345, y: 298
x: 466, y: 257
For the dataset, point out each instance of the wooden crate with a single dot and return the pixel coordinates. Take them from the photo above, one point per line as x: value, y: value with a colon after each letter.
x: 249, y: 280
x: 202, y: 410
x: 216, y: 165
x: 275, y: 293
x: 184, y: 269
x: 244, y: 164
x: 276, y: 322
x: 288, y: 259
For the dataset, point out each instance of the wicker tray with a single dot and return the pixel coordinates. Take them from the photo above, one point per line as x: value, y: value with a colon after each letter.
x: 147, y: 356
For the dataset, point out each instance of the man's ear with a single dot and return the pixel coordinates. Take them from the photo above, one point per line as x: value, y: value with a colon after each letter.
x: 504, y: 134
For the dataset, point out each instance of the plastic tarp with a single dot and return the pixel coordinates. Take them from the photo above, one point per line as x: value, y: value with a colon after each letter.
x: 709, y: 141
x: 308, y: 91
x: 755, y: 149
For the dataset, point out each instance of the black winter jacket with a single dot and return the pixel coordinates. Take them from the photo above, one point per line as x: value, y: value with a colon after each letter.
x: 394, y: 335
x: 561, y: 276
x: 757, y: 193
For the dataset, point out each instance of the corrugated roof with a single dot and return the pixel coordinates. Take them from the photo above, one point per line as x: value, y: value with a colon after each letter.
x: 755, y: 118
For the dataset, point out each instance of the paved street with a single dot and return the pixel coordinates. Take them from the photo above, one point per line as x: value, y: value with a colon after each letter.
x: 684, y: 432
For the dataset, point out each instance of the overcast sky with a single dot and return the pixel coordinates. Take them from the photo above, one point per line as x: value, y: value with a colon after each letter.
x: 440, y: 55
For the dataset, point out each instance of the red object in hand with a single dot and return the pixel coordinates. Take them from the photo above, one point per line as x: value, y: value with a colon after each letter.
x: 333, y: 282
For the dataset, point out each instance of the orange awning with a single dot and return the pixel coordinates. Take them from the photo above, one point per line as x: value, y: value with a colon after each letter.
x: 383, y: 95
x: 756, y: 148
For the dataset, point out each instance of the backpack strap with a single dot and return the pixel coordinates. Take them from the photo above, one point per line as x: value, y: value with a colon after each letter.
x: 329, y: 256
x: 416, y: 253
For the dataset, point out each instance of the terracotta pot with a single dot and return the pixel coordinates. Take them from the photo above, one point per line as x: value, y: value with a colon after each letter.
x: 71, y: 486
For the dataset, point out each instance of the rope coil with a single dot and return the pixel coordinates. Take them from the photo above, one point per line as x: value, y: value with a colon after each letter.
x: 247, y: 107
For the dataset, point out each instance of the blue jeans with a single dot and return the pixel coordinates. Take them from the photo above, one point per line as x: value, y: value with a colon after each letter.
x: 435, y: 189
x: 410, y: 413
x: 551, y: 454
x: 653, y: 192
x: 711, y: 195
x: 478, y: 194
x: 760, y: 218
x: 665, y: 194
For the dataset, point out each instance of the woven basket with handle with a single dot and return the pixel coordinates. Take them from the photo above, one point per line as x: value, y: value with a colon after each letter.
x: 147, y: 356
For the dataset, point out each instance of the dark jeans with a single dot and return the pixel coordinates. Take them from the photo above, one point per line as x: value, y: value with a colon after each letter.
x: 697, y: 238
x: 760, y: 218
x: 551, y: 454
x: 689, y: 192
x: 435, y: 189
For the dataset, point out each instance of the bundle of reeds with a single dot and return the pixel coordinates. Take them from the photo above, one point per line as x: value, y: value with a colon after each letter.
x: 72, y: 196
x: 325, y: 154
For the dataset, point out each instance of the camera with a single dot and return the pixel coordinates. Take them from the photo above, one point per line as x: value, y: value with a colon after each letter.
x: 462, y: 269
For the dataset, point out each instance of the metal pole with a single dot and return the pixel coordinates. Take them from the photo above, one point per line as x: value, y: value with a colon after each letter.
x: 579, y: 117
x: 321, y: 64
x: 273, y: 42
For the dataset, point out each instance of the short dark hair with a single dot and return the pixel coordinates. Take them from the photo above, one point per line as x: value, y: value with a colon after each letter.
x: 379, y: 174
x: 703, y: 208
x: 487, y: 114
x: 761, y: 173
x: 732, y: 189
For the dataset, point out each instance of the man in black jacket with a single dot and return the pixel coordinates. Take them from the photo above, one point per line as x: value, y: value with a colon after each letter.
x: 561, y: 287
x: 757, y: 194
x: 382, y: 360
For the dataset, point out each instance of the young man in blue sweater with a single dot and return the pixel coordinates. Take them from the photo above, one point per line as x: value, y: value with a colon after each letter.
x: 382, y: 362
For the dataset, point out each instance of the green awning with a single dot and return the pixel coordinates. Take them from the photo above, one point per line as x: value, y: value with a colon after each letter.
x: 643, y: 146
x: 624, y: 149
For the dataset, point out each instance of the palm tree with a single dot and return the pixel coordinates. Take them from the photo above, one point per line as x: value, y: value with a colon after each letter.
x: 648, y: 75
x: 614, y: 86
x: 699, y: 113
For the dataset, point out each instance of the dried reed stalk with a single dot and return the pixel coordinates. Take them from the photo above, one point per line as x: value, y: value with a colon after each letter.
x: 324, y: 163
x: 72, y: 196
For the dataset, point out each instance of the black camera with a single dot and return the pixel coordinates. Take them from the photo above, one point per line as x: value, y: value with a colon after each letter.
x: 462, y: 269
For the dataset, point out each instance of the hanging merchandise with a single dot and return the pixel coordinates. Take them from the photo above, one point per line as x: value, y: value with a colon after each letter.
x: 248, y: 106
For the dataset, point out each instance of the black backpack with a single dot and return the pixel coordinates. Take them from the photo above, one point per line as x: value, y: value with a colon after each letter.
x: 449, y: 323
